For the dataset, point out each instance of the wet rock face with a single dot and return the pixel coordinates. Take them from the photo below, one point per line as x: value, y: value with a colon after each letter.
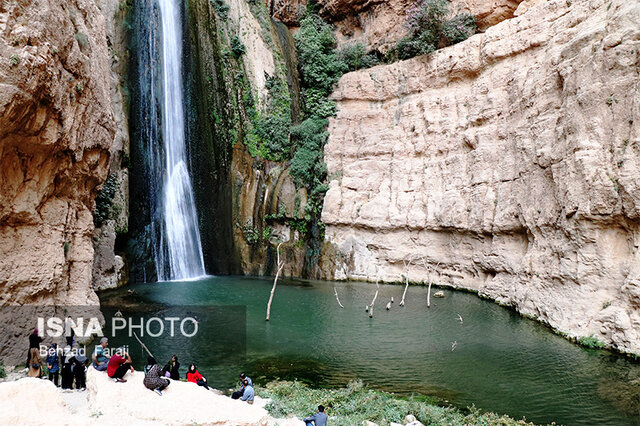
x: 56, y: 130
x: 507, y: 164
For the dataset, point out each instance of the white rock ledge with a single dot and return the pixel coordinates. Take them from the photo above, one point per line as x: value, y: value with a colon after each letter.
x: 31, y: 401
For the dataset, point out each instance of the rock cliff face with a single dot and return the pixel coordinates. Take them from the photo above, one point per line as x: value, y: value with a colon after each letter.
x: 506, y: 164
x: 380, y: 24
x: 56, y: 133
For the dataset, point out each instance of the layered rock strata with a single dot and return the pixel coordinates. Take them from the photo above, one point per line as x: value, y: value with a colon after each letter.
x: 506, y: 164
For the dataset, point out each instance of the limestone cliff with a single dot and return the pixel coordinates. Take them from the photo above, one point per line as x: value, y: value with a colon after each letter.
x: 56, y: 132
x: 506, y: 164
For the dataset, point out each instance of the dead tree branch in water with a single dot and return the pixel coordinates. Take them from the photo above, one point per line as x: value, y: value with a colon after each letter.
x: 336, y: 292
x: 275, y: 280
x: 370, y: 307
x: 406, y: 279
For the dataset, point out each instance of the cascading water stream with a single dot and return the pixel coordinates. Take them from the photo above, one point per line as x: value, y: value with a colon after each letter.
x: 174, y: 230
x: 181, y: 223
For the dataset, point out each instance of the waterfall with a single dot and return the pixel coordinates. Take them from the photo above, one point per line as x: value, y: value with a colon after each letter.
x: 174, y: 230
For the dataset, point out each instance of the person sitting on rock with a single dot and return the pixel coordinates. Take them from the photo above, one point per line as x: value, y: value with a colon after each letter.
x: 318, y: 419
x: 194, y: 376
x: 248, y: 393
x: 118, y: 365
x: 172, y: 368
x: 152, y: 379
x: 53, y: 364
x: 237, y: 394
x: 100, y: 360
x: 35, y: 363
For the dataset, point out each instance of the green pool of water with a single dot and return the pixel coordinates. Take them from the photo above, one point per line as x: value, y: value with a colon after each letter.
x: 494, y: 358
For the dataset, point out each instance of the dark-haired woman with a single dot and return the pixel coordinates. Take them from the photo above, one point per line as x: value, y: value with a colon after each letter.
x: 172, y: 368
x: 195, y: 377
x: 152, y: 379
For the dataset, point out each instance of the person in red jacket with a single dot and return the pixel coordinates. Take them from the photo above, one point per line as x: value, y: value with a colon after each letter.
x: 195, y: 377
x: 118, y: 365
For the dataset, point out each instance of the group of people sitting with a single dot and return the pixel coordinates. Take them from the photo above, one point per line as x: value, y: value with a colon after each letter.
x: 66, y: 364
x: 156, y: 378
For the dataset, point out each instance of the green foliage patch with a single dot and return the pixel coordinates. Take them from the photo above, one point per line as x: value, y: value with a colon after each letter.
x: 104, y: 200
x: 429, y: 30
x: 356, y: 403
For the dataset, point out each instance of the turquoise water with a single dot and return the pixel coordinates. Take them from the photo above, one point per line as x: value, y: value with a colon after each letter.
x: 500, y: 361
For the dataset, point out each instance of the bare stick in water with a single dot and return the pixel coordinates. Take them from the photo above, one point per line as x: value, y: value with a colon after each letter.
x: 406, y: 278
x: 336, y: 292
x: 374, y: 297
x: 424, y: 263
x: 275, y: 281
x: 143, y: 345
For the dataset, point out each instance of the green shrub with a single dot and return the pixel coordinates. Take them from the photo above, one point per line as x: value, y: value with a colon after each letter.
x: 104, y: 199
x: 591, y: 342
x: 3, y: 371
x: 14, y: 60
x: 318, y: 61
x: 356, y: 403
x: 270, y: 135
x: 355, y: 57
x: 459, y: 28
x: 307, y: 167
x: 237, y: 47
x: 221, y: 8
x: 428, y: 29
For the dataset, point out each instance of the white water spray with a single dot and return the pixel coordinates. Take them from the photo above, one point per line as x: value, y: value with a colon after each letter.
x: 180, y: 219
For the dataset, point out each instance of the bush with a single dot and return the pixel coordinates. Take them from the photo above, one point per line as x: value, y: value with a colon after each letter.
x: 459, y: 28
x: 237, y: 47
x: 356, y: 403
x: 355, y: 57
x: 221, y: 8
x: 591, y: 342
x: 269, y: 137
x: 307, y: 167
x: 428, y: 30
x: 3, y: 372
x: 318, y: 61
x: 104, y: 199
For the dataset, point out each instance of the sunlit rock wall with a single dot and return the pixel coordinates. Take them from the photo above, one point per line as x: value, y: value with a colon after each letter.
x: 508, y: 164
x: 56, y: 132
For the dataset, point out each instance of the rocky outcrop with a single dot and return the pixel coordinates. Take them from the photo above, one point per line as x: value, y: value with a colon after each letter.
x: 107, y: 402
x: 380, y: 24
x: 265, y: 203
x: 56, y: 132
x: 108, y: 267
x: 506, y: 164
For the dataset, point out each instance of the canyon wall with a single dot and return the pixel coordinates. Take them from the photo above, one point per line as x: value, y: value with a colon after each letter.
x: 56, y: 134
x: 507, y: 164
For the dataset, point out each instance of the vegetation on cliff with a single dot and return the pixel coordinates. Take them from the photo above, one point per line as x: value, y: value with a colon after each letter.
x: 429, y: 29
x: 357, y: 403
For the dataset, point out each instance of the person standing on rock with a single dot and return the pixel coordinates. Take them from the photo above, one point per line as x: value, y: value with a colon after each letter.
x: 248, y: 393
x: 99, y: 358
x: 53, y: 363
x: 35, y: 363
x: 152, y: 379
x: 66, y: 372
x: 34, y: 342
x: 318, y: 419
x: 118, y: 365
x: 194, y: 376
